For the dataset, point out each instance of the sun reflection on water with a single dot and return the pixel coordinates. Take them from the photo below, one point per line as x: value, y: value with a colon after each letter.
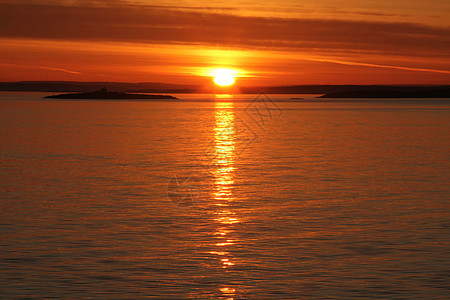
x: 223, y: 171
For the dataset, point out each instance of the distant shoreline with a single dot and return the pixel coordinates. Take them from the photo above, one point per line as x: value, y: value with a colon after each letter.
x: 430, y: 93
x: 166, y: 88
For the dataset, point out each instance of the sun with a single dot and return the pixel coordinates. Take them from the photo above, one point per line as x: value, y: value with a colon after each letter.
x: 224, y: 77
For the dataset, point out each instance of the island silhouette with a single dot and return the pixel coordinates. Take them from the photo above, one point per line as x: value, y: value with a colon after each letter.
x: 104, y: 94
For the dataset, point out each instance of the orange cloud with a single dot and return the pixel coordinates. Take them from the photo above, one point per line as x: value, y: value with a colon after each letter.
x: 172, y: 43
x: 148, y: 24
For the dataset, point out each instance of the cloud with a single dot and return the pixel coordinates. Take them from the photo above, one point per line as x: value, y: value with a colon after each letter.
x: 58, y: 69
x: 174, y: 25
x: 352, y: 63
x: 41, y: 67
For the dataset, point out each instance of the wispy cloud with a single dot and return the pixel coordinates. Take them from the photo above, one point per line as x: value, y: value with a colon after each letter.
x: 58, y: 69
x: 147, y: 24
x: 41, y: 67
x: 363, y: 64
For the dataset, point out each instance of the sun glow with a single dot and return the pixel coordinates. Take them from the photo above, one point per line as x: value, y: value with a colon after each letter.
x: 224, y: 77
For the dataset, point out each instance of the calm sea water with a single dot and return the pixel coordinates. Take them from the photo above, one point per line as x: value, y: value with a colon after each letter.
x: 224, y: 200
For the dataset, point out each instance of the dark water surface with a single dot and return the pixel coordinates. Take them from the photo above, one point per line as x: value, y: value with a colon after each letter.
x: 222, y: 200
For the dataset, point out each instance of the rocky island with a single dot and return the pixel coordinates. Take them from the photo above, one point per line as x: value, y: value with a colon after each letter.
x: 104, y: 94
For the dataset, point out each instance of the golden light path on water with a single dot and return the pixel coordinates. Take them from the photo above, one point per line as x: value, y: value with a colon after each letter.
x: 224, y: 147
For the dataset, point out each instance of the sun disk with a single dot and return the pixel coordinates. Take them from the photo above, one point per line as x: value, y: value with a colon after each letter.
x: 224, y: 77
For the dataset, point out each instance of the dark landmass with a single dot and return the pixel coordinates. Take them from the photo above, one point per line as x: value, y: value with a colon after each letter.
x: 327, y: 89
x: 104, y: 94
x: 156, y: 87
x: 428, y: 93
x: 171, y: 91
x: 74, y: 86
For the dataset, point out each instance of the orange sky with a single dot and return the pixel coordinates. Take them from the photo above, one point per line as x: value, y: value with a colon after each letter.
x: 267, y: 42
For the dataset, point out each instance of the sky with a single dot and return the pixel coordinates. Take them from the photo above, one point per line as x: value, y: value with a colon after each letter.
x: 266, y: 42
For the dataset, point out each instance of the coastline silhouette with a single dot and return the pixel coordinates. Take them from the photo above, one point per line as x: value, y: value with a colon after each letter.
x: 432, y: 93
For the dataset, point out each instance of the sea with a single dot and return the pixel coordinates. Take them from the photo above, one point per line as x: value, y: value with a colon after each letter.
x: 224, y: 197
